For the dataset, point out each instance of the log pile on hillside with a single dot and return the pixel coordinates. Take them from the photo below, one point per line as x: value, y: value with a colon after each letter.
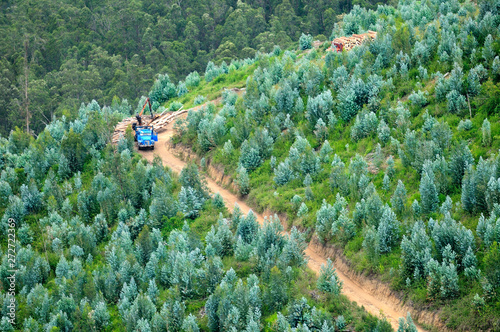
x: 159, y: 123
x: 348, y: 43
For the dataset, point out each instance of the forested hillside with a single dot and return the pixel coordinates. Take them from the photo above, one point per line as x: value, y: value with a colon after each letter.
x: 389, y: 151
x: 56, y: 54
x: 105, y: 241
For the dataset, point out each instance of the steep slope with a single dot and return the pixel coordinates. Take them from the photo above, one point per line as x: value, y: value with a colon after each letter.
x: 376, y: 305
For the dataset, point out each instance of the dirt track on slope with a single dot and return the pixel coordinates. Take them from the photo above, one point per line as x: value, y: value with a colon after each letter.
x: 374, y: 304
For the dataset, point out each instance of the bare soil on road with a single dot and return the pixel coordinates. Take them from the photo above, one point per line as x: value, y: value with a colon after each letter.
x: 374, y: 304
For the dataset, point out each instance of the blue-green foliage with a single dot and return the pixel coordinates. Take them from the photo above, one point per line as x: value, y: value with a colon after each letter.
x: 211, y: 131
x: 406, y: 325
x: 284, y: 98
x: 319, y: 107
x: 388, y: 230
x: 234, y: 304
x: 488, y: 229
x: 248, y: 227
x: 250, y: 157
x: 325, y: 152
x: 460, y: 160
x: 442, y: 279
x: 181, y: 89
x: 416, y: 252
x: 283, y: 173
x: 193, y: 79
x: 218, y: 201
x: 15, y: 210
x: 302, y: 317
x: 358, y: 175
x: 190, y: 324
x: 31, y: 196
x: 270, y: 242
x: 243, y: 181
x: 398, y: 200
x: 418, y: 98
x: 311, y: 77
x: 116, y: 193
x: 383, y: 131
x: 452, y: 233
x: 301, y: 160
x: 328, y: 216
x: 428, y: 194
x: 189, y: 202
x: 305, y: 41
x: 190, y: 177
x: 220, y: 240
x: 328, y: 280
x: 198, y: 100
x: 338, y: 176
x: 293, y: 250
x: 303, y: 209
x: 162, y: 89
x: 212, y: 71
x: 365, y: 124
x: 162, y: 203
x: 229, y: 97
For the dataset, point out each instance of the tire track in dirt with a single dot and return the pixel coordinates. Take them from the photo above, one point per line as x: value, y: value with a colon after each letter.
x: 376, y: 305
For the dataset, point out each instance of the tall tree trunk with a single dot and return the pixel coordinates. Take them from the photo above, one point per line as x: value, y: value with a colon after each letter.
x: 26, y: 99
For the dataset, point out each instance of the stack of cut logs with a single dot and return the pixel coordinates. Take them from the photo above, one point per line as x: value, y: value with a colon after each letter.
x: 348, y: 43
x: 158, y: 124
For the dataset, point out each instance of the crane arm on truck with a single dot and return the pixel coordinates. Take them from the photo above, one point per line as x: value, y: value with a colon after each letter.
x: 139, y: 116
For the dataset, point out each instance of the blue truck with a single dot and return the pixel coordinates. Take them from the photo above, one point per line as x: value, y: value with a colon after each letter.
x: 145, y: 137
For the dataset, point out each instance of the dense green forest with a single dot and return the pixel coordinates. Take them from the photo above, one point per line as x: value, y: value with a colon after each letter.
x: 54, y: 55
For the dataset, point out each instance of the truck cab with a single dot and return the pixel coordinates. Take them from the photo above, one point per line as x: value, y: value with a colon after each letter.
x: 145, y: 137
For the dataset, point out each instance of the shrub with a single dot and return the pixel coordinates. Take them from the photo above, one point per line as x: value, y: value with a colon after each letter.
x: 302, y: 210
x: 383, y: 131
x: 5, y: 192
x: 193, y: 79
x: 212, y: 71
x: 243, y: 181
x: 325, y: 152
x: 398, y: 200
x: 388, y: 230
x: 418, y: 98
x: 428, y: 194
x: 319, y: 107
x: 416, y: 252
x: 283, y: 173
x: 465, y: 125
x: 328, y: 281
x: 248, y: 227
x: 365, y: 124
x: 406, y: 325
x: 198, y: 100
x: 449, y: 232
x: 305, y: 41
x: 211, y: 132
x: 492, y: 265
x: 486, y: 130
x: 189, y: 202
x: 181, y: 89
x: 175, y: 106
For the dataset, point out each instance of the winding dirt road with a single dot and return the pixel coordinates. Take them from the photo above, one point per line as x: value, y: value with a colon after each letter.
x: 353, y: 290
